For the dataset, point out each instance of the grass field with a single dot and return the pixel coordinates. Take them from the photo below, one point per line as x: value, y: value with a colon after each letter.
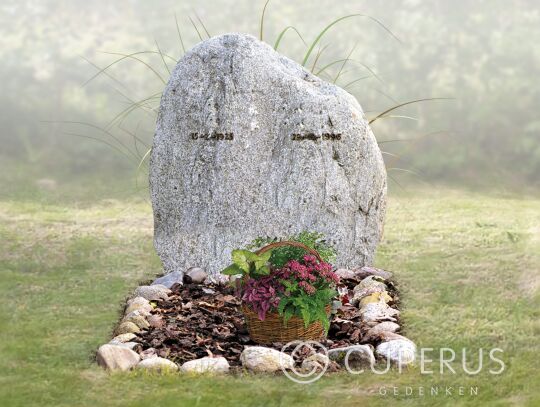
x: 467, y: 265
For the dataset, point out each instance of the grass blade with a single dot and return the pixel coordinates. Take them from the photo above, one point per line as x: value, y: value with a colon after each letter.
x: 144, y: 158
x: 132, y: 56
x: 203, y: 26
x: 356, y: 80
x: 124, y: 56
x: 404, y: 104
x: 319, y: 53
x: 104, y: 72
x: 261, y: 25
x: 101, y: 141
x: 179, y: 34
x: 196, y: 29
x: 344, y: 63
x: 162, y: 57
x: 321, y: 34
x: 282, y: 33
x: 104, y: 131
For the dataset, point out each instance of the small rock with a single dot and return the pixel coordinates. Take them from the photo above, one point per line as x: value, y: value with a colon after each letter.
x: 367, y: 271
x: 375, y: 297
x: 155, y: 292
x: 148, y: 353
x: 137, y: 313
x: 345, y: 274
x: 370, y: 282
x: 317, y: 361
x: 400, y: 351
x: 206, y: 365
x: 122, y: 338
x: 359, y: 355
x: 380, y: 328
x: 138, y: 320
x: 113, y: 357
x: 126, y: 328
x: 129, y: 345
x: 261, y: 359
x: 197, y: 275
x: 219, y: 279
x: 138, y: 304
x: 157, y: 364
x: 168, y: 280
x: 378, y: 311
x: 367, y: 286
x: 156, y: 321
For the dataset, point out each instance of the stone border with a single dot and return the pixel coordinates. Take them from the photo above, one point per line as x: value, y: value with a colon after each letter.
x: 371, y: 296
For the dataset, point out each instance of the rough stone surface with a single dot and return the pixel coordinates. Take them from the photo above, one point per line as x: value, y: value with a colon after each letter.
x: 148, y: 353
x: 129, y: 345
x: 315, y: 362
x: 367, y: 286
x: 138, y: 320
x: 157, y: 364
x: 249, y: 143
x: 386, y: 326
x: 367, y: 271
x: 126, y: 328
x: 206, y: 365
x: 152, y: 292
x: 139, y: 304
x: 168, y: 280
x: 345, y: 273
x: 113, y: 357
x: 198, y: 275
x: 122, y: 338
x: 358, y: 355
x: 261, y: 359
x: 376, y: 312
x: 399, y: 351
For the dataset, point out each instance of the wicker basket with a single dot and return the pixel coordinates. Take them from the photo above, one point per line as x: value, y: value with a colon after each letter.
x: 273, y: 329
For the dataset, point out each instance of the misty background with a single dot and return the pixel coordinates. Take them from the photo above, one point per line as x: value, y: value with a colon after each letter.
x: 66, y: 124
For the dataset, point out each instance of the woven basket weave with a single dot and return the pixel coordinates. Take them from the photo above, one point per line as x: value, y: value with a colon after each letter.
x: 273, y: 329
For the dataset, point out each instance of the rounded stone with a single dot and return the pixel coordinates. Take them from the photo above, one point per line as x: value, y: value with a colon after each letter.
x: 168, y: 280
x: 155, y: 292
x: 138, y: 304
x: 198, y: 275
x: 399, y: 351
x: 157, y: 364
x: 114, y: 357
x: 122, y: 338
x: 249, y: 143
x: 206, y: 365
x: 138, y: 320
x: 261, y: 359
x: 126, y: 328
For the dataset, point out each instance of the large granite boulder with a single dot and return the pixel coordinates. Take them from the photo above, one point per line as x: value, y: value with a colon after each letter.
x: 249, y: 143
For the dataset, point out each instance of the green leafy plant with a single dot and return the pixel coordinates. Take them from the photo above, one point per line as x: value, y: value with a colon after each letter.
x: 281, y: 255
x: 288, y: 279
x: 248, y: 263
x: 311, y: 307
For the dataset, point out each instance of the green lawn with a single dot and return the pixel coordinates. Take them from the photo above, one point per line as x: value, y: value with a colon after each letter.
x: 467, y: 267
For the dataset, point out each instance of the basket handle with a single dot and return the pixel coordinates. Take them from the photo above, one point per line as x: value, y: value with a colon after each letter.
x: 289, y: 243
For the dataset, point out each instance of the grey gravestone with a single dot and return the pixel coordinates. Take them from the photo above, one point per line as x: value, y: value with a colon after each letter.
x: 249, y: 143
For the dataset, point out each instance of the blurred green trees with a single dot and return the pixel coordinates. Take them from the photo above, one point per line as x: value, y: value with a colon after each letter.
x: 484, y: 54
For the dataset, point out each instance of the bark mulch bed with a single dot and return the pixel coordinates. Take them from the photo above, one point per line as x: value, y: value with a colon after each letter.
x: 206, y: 320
